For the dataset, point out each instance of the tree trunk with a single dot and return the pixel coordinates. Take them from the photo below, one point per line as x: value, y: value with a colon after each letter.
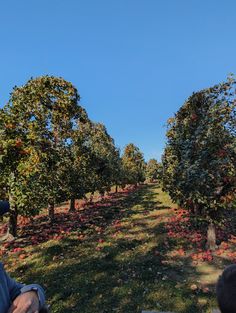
x: 13, y: 222
x: 211, y: 237
x: 51, y: 213
x: 72, y: 205
x: 116, y: 189
x: 13, y: 217
x: 195, y: 208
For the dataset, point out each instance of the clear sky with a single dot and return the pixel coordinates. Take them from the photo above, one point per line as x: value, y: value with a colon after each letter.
x: 134, y: 62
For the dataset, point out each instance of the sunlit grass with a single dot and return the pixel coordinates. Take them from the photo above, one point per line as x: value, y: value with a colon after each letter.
x: 126, y: 268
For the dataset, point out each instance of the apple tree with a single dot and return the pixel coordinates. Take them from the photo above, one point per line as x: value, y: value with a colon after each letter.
x: 133, y: 165
x: 199, y: 162
x: 153, y: 170
x: 100, y: 157
x: 36, y: 127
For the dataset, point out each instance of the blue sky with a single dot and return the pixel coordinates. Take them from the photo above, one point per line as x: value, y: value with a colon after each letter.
x: 134, y: 62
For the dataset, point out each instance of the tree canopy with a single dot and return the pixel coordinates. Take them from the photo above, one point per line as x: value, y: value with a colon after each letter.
x: 37, y: 125
x: 153, y: 170
x: 133, y: 164
x: 200, y: 155
x: 51, y: 152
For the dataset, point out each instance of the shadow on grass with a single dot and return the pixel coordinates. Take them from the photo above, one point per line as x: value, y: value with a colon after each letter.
x: 106, y: 281
x: 99, y: 214
x: 120, y: 274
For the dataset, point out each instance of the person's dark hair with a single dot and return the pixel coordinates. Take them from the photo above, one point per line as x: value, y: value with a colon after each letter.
x: 226, y: 290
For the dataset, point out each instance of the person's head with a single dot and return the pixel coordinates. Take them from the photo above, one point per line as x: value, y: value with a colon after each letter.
x: 226, y: 290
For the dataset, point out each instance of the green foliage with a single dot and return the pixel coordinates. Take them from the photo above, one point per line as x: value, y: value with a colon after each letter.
x: 200, y: 156
x: 153, y: 170
x: 51, y: 152
x: 37, y: 125
x: 100, y: 157
x: 133, y: 165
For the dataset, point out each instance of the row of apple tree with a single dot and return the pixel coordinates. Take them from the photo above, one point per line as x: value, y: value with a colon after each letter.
x: 50, y: 151
x: 199, y: 162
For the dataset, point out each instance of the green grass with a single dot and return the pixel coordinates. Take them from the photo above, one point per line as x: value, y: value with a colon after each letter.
x: 125, y: 268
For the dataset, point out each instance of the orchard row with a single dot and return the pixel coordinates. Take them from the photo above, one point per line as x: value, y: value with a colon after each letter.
x: 50, y: 151
x: 199, y: 162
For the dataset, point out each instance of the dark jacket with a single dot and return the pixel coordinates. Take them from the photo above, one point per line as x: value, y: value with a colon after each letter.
x: 10, y: 289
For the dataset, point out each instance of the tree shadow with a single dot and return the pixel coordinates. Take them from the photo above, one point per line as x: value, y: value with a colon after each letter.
x: 115, y: 269
x: 99, y: 214
x: 107, y: 281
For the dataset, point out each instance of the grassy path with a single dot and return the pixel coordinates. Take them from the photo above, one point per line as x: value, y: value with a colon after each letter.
x: 120, y: 262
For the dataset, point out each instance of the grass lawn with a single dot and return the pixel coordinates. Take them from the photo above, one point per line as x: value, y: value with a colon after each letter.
x: 119, y: 258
